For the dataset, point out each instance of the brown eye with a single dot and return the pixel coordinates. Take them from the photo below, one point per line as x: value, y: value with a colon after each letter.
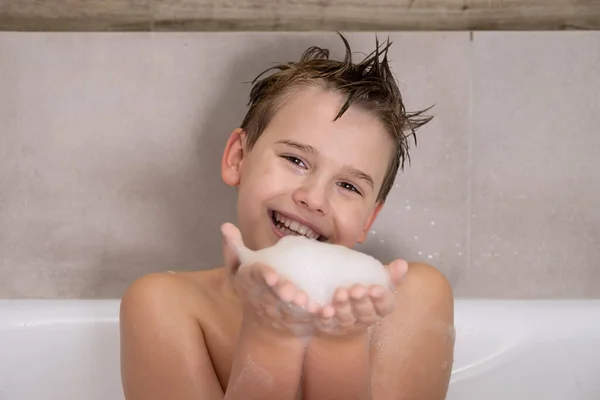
x: 350, y: 187
x: 295, y: 160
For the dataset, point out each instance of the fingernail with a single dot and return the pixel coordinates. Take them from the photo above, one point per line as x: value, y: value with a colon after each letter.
x: 271, y: 279
x: 358, y: 293
x: 376, y: 292
x: 328, y: 312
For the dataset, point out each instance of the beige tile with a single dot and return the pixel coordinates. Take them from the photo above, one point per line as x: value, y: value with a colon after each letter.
x: 425, y: 216
x: 112, y: 142
x: 110, y: 161
x: 535, y: 226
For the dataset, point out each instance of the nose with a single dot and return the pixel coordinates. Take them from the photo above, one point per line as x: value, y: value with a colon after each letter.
x: 313, y: 196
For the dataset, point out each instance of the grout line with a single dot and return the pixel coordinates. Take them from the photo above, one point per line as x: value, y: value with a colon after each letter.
x: 469, y: 188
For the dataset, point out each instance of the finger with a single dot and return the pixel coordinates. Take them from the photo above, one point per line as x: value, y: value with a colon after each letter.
x: 247, y: 284
x: 232, y: 234
x: 292, y: 314
x: 397, y: 270
x: 251, y: 283
x: 313, y: 307
x: 383, y: 300
x: 291, y: 302
x: 266, y: 302
x: 261, y: 293
x: 327, y: 312
x: 273, y: 311
x: 362, y: 305
x: 301, y: 299
x: 344, y: 315
x: 295, y: 310
x: 325, y: 324
x: 323, y: 316
x: 232, y: 241
x: 230, y: 257
x: 285, y: 290
x: 263, y: 274
x: 261, y: 282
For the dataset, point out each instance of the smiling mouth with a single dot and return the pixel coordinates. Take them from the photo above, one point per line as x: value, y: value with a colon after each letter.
x: 288, y: 226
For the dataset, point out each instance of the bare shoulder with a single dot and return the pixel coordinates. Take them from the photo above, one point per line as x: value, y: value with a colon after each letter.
x: 425, y: 303
x: 162, y: 336
x: 185, y: 290
x: 414, y: 345
x: 426, y: 287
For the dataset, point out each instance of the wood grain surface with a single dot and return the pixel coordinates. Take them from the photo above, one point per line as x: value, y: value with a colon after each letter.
x: 295, y: 15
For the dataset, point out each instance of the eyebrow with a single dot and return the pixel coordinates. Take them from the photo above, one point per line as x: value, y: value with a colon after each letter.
x: 300, y: 146
x: 311, y: 150
x: 361, y: 175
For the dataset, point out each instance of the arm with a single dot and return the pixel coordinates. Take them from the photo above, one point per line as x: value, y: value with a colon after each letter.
x: 338, y: 369
x: 414, y: 347
x: 410, y: 355
x: 266, y: 366
x: 164, y: 356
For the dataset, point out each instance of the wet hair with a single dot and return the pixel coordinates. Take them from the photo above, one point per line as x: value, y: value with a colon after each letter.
x: 368, y: 84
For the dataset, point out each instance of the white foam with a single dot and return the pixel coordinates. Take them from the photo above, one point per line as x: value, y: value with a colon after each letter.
x: 317, y: 268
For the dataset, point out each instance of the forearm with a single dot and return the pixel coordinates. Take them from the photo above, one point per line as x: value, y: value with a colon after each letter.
x: 337, y: 369
x: 265, y: 366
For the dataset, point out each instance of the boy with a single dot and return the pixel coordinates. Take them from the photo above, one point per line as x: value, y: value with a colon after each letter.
x: 316, y: 155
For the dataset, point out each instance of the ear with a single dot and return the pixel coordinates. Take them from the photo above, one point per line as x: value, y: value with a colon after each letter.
x: 369, y: 222
x: 233, y: 157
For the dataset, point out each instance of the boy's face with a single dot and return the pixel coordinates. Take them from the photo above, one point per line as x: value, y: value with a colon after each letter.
x: 307, y: 174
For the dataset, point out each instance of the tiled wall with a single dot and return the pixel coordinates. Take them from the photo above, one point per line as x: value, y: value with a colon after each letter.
x: 110, y: 147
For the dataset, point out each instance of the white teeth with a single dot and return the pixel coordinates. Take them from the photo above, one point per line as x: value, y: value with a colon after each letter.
x: 294, y: 226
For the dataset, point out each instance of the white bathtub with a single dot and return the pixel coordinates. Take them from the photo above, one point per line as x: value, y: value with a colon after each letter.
x: 505, y: 350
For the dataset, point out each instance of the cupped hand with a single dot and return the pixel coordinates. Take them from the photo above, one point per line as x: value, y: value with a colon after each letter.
x: 274, y: 302
x: 269, y: 300
x: 354, y: 309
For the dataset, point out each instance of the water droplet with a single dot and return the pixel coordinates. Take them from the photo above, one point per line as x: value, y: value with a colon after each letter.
x: 373, y: 232
x: 457, y: 244
x: 396, y: 185
x: 407, y: 201
x: 408, y: 207
x: 432, y: 223
x: 382, y: 241
x: 416, y: 238
x: 430, y: 256
x: 473, y: 215
x: 420, y: 253
x: 460, y: 253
